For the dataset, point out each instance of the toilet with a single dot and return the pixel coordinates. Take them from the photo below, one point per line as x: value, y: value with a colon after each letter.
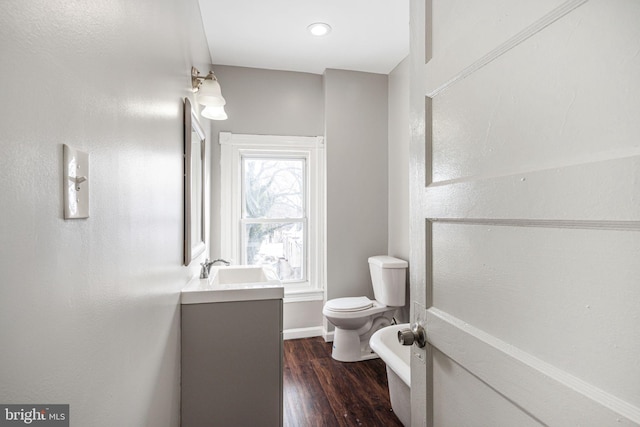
x: 357, y: 318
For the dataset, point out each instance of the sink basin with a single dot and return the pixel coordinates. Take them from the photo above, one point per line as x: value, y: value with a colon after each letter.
x: 234, y: 283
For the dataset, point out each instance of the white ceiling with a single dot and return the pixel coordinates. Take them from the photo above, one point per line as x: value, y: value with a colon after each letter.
x: 367, y: 35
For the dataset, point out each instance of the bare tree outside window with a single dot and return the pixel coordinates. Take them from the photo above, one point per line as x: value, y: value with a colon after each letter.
x: 274, y: 214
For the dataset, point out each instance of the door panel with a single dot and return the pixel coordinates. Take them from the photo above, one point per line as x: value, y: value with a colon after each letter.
x: 525, y: 205
x: 541, y: 289
x: 545, y: 86
x: 478, y: 405
x: 545, y: 392
x: 468, y: 31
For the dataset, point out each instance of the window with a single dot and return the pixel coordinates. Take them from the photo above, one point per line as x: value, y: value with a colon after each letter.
x: 272, y: 194
x: 274, y: 218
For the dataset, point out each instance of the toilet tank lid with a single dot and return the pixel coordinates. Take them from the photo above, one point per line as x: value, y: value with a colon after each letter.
x: 386, y: 261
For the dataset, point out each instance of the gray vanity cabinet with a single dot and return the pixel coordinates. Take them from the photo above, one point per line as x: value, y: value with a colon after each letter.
x: 232, y: 364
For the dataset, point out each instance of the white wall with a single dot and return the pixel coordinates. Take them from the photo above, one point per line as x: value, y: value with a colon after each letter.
x: 357, y: 178
x: 90, y: 308
x: 399, y: 169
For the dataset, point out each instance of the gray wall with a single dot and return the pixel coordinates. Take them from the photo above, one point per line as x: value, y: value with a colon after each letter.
x: 263, y: 102
x: 399, y: 169
x: 357, y: 178
x: 350, y: 109
x: 399, y: 161
x: 89, y: 308
x: 268, y: 102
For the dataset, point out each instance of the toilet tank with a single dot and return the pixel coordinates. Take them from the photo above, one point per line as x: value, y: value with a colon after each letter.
x: 389, y: 276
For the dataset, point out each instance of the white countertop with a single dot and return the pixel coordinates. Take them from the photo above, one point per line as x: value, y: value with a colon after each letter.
x: 202, y: 291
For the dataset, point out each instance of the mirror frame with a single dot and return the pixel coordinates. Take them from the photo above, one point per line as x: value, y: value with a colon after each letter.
x: 193, y: 249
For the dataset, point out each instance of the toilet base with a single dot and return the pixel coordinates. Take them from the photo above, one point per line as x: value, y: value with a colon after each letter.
x: 349, y: 346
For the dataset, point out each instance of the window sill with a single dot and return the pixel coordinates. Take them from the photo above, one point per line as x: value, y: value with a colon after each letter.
x: 302, y: 295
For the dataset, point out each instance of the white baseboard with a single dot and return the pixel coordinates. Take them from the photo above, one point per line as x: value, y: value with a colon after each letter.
x: 292, y: 334
x: 328, y: 336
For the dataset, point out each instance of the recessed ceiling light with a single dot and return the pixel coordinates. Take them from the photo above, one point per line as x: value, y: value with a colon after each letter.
x: 319, y: 29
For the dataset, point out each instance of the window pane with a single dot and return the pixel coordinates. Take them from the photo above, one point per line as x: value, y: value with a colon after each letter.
x: 273, y: 188
x: 280, y: 245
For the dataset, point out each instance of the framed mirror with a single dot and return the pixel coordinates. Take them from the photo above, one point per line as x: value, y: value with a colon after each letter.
x: 194, y: 185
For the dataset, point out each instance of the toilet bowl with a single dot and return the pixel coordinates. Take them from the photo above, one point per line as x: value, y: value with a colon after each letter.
x: 357, y: 318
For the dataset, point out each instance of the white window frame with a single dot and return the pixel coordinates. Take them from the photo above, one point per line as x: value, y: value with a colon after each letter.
x: 233, y: 148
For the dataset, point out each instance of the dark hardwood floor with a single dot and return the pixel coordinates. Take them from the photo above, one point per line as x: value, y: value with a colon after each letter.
x: 320, y: 391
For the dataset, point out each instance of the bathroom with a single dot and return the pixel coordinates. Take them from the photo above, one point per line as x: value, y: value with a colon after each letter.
x: 100, y: 297
x: 90, y: 309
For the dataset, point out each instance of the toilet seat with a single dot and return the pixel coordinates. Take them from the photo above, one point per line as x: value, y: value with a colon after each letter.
x: 360, y: 308
x: 349, y: 304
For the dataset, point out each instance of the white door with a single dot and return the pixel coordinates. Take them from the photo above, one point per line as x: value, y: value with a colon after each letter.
x: 525, y: 201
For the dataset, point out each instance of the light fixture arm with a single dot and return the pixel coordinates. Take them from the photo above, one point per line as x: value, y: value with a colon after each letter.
x: 197, y: 79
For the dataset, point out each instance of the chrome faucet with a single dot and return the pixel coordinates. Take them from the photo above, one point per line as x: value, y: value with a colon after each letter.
x: 206, y: 266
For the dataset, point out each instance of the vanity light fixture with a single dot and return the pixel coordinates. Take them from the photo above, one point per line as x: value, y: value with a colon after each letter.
x: 209, y: 95
x: 214, y: 113
x: 319, y: 29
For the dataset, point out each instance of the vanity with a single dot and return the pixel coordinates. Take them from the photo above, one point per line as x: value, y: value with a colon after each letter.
x: 232, y: 348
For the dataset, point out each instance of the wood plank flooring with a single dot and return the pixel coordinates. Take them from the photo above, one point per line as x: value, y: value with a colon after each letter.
x: 320, y: 391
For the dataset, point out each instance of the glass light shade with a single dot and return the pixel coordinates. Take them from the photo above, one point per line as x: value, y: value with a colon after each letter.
x: 210, y: 94
x: 214, y: 112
